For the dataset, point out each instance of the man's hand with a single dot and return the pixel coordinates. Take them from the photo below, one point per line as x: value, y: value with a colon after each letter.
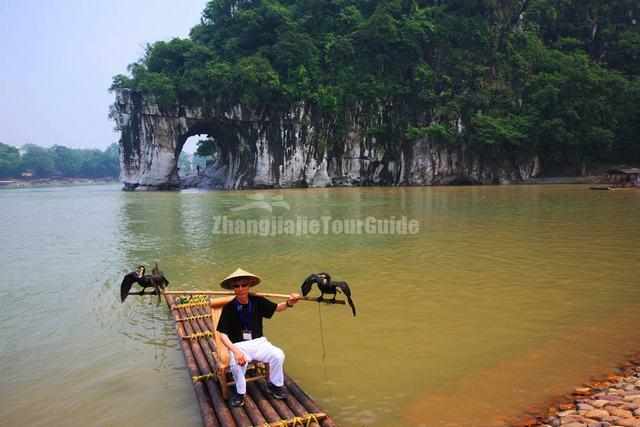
x: 293, y: 300
x: 239, y: 356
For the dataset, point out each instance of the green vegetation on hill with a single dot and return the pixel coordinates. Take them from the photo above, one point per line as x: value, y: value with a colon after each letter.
x: 58, y: 162
x: 507, y: 79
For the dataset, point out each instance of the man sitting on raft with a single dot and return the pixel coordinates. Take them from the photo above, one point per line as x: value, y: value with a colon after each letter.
x: 240, y: 328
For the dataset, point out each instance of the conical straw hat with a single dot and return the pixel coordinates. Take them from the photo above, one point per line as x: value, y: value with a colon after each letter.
x: 227, y: 282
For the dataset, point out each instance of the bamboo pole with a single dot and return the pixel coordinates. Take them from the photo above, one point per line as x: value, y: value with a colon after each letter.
x: 205, y: 344
x: 297, y: 408
x: 206, y: 411
x: 263, y: 403
x: 281, y: 407
x: 257, y: 294
x: 306, y: 401
x: 226, y: 418
x: 252, y: 409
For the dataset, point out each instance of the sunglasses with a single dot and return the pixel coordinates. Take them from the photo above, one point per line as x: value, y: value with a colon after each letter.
x: 241, y: 285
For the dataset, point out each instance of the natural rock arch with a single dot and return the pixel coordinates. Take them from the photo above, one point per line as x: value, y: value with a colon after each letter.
x: 255, y: 151
x: 259, y: 149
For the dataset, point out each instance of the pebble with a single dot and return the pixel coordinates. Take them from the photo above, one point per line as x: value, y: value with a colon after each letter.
x: 629, y: 422
x: 597, y: 414
x: 618, y: 412
x: 608, y: 397
x: 593, y: 405
x: 600, y: 403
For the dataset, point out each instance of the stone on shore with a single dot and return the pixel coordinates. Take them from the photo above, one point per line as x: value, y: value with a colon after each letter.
x: 618, y: 412
x: 614, y: 402
x: 597, y: 414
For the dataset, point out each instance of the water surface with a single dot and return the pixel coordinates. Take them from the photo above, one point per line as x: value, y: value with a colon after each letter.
x: 505, y: 296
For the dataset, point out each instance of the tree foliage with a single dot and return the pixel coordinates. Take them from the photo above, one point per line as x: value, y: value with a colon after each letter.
x: 59, y: 162
x: 551, y: 78
x: 9, y: 161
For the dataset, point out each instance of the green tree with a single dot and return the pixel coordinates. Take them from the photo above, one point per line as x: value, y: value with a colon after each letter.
x: 206, y: 148
x: 38, y: 160
x: 9, y: 161
x: 67, y: 162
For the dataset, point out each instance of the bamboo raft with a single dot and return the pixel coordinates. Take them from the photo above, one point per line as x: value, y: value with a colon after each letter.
x: 195, y: 332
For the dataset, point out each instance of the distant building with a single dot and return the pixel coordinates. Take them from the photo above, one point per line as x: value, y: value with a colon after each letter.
x: 624, y: 177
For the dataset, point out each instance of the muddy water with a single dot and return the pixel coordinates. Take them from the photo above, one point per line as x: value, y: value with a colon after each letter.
x: 484, y: 301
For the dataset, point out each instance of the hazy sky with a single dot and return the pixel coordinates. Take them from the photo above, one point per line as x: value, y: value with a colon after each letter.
x: 57, y: 59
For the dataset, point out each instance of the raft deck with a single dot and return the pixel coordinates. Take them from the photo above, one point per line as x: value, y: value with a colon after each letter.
x: 260, y: 408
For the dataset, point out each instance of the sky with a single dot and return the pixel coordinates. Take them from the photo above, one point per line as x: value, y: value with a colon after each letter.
x: 58, y: 58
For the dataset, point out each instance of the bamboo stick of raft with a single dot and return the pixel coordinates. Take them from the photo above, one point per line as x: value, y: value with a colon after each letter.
x: 208, y: 415
x: 226, y: 417
x: 306, y: 401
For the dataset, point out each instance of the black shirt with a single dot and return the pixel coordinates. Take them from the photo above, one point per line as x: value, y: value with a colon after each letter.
x: 231, y: 321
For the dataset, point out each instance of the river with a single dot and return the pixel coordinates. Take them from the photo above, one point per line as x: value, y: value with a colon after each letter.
x: 474, y: 303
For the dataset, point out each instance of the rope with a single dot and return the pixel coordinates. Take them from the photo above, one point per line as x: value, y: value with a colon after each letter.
x: 199, y: 335
x: 304, y: 421
x: 190, y: 304
x: 185, y: 299
x: 310, y: 418
x: 324, y: 353
x: 209, y: 376
x: 153, y: 323
x: 202, y: 316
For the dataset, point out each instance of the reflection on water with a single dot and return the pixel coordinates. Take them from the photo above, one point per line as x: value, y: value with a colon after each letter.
x: 505, y: 296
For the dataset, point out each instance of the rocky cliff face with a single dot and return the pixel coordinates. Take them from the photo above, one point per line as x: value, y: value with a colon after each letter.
x: 259, y: 149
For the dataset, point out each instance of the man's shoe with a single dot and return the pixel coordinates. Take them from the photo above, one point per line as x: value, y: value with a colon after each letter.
x: 237, y: 400
x: 277, y: 392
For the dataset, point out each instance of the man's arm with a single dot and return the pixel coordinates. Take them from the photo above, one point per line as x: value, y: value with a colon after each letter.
x: 237, y: 354
x: 293, y: 300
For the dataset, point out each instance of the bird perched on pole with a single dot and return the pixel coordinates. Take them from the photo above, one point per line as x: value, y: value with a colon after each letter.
x: 156, y: 280
x: 327, y: 286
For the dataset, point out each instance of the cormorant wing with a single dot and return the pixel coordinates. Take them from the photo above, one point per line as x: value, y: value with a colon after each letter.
x: 344, y: 287
x: 347, y: 292
x: 156, y: 270
x: 127, y: 282
x: 306, y: 285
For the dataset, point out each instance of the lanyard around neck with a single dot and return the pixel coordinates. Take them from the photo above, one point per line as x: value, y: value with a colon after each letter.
x: 245, y: 319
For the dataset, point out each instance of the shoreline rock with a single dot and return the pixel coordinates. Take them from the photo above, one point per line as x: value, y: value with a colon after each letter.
x: 610, y: 401
x: 12, y: 183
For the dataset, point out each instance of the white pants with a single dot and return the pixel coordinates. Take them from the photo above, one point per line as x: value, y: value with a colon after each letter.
x: 263, y: 351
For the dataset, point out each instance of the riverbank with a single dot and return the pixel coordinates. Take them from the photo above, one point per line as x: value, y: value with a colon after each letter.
x: 611, y: 400
x: 56, y: 182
